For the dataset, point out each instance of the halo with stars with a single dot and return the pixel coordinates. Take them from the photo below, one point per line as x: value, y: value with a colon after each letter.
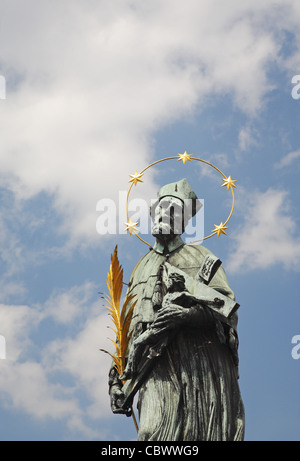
x: 136, y: 178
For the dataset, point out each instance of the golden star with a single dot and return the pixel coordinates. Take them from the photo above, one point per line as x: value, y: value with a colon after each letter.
x: 220, y: 229
x: 136, y: 177
x: 131, y: 226
x: 185, y: 157
x: 229, y: 183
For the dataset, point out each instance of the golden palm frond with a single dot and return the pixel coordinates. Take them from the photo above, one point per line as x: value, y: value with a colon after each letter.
x: 121, y: 317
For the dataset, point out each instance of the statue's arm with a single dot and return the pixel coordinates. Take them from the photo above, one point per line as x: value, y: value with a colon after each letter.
x: 186, y: 307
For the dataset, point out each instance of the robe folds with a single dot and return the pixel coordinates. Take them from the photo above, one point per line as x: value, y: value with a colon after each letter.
x: 191, y: 392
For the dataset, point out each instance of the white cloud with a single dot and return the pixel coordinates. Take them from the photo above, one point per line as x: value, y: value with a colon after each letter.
x: 268, y: 236
x: 88, y: 84
x: 65, y: 306
x: 288, y: 159
x: 81, y: 357
x: 246, y: 138
x: 25, y: 387
x: 16, y: 323
x: 47, y: 378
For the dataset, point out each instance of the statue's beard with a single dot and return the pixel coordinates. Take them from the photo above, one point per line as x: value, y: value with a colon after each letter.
x: 162, y: 229
x: 165, y: 230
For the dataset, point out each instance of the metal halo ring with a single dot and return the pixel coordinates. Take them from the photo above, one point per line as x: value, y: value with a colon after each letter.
x: 136, y: 177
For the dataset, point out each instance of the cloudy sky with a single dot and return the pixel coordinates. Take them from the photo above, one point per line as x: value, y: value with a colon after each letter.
x: 94, y: 91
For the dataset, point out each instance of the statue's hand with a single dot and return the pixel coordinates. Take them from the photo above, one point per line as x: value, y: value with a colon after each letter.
x: 117, y: 398
x: 170, y: 316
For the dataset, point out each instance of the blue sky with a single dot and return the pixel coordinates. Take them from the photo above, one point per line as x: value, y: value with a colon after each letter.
x: 95, y: 91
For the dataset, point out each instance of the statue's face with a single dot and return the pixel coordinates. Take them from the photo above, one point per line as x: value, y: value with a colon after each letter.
x: 175, y: 282
x: 168, y: 218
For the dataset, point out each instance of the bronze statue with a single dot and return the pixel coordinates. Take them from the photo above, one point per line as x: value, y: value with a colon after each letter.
x: 182, y: 357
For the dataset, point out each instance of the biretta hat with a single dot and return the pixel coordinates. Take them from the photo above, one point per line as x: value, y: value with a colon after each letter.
x: 180, y: 190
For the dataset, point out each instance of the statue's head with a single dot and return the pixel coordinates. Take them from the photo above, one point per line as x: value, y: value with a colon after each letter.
x: 176, y: 204
x: 176, y: 282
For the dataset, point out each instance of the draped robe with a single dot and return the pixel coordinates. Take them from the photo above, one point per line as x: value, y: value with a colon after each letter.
x: 191, y: 392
